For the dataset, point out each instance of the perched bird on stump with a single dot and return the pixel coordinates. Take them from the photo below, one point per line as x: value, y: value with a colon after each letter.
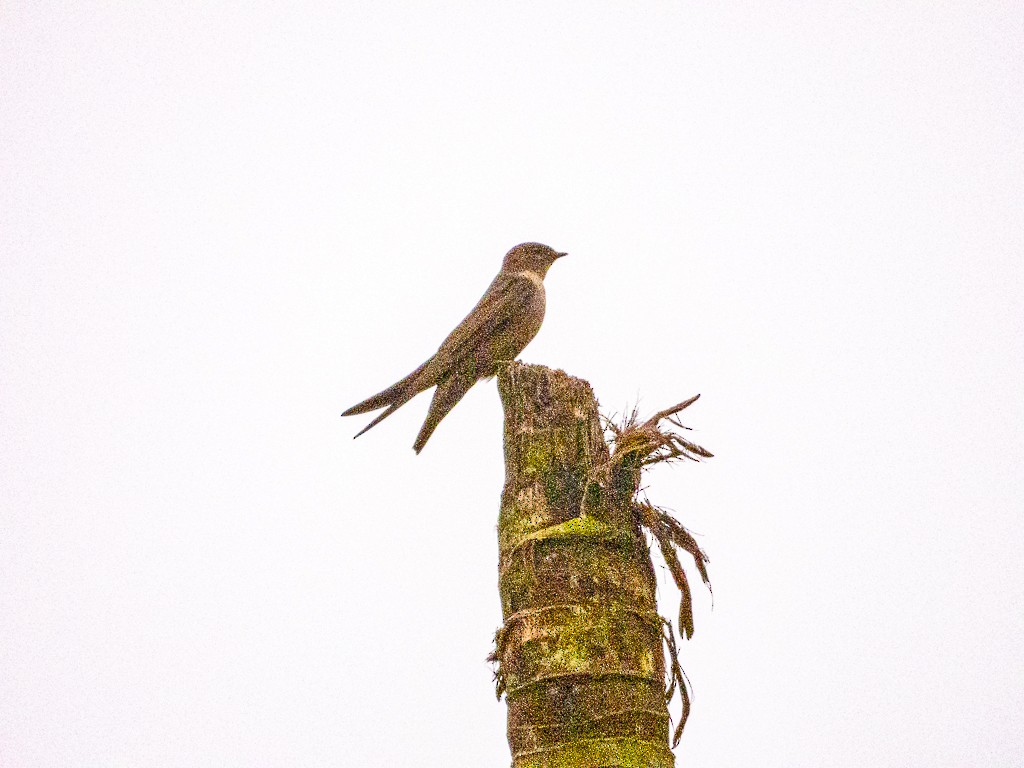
x: 502, y: 323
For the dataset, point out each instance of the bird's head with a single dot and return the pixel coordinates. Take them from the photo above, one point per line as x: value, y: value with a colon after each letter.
x: 534, y: 257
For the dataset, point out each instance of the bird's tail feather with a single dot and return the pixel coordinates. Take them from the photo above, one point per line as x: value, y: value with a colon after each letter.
x: 380, y: 417
x: 446, y: 396
x: 400, y: 400
x: 390, y: 396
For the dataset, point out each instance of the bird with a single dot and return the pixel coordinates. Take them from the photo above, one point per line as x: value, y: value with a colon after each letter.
x: 503, y: 322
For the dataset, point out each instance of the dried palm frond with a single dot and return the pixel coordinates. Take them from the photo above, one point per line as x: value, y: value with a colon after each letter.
x: 678, y: 680
x: 648, y: 443
x: 670, y: 535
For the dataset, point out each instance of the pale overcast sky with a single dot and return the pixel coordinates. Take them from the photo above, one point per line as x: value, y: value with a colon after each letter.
x: 222, y: 224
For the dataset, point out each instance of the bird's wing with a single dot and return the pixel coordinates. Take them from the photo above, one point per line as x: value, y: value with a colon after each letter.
x: 507, y: 298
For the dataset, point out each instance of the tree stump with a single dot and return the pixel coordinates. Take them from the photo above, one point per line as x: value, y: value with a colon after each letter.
x: 579, y: 657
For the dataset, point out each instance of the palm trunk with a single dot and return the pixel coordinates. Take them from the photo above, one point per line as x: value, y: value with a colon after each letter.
x: 580, y: 655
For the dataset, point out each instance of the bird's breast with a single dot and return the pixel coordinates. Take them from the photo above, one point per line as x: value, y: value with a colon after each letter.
x: 514, y: 335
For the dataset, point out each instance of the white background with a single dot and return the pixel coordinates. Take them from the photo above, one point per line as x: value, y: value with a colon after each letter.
x: 220, y: 225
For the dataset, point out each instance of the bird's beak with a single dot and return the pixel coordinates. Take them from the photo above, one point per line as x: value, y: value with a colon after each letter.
x: 560, y: 255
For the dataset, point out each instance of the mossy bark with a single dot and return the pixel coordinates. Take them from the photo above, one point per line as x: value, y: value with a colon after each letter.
x: 580, y: 653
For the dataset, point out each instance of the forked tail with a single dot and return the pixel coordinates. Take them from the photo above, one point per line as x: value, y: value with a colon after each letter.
x: 394, y: 397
